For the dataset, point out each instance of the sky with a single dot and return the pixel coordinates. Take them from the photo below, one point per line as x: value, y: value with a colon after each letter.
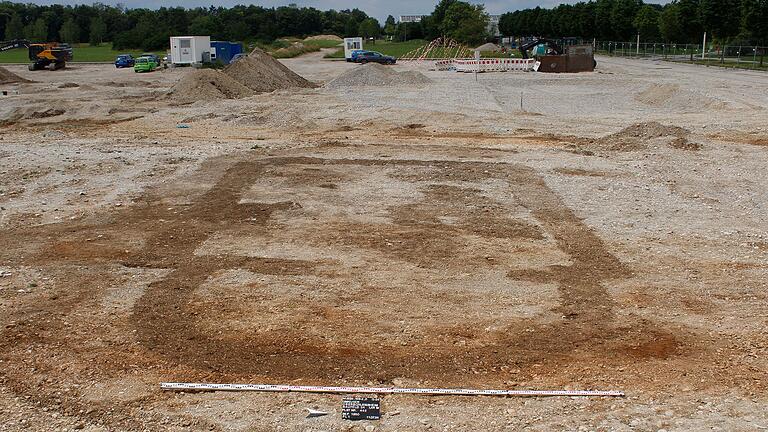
x: 378, y: 9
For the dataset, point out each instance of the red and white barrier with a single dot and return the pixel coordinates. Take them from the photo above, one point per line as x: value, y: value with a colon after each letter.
x: 485, y: 65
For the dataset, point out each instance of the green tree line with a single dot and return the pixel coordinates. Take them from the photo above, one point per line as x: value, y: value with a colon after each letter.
x: 681, y: 21
x: 149, y: 29
x: 459, y: 20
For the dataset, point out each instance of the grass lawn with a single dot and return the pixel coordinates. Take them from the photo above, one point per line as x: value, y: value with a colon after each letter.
x: 398, y: 49
x: 292, y: 47
x: 394, y: 49
x: 735, y: 64
x: 81, y: 52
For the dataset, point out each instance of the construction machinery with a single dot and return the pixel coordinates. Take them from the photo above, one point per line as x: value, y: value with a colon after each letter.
x: 551, y: 57
x: 42, y: 55
x: 540, y: 47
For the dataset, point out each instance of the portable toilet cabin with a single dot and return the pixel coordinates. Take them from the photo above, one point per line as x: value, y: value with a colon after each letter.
x: 352, y: 44
x: 223, y: 52
x: 187, y: 50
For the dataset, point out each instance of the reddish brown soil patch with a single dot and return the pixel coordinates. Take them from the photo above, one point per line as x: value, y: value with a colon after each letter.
x: 351, y: 318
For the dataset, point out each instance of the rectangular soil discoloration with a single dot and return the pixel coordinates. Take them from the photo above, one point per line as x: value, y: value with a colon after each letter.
x: 457, y: 276
x: 425, y: 237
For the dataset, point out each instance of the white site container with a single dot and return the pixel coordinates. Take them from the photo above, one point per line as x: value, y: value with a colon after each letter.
x: 190, y: 49
x: 352, y: 44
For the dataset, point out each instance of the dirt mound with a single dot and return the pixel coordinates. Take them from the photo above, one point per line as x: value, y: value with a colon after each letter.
x: 8, y: 77
x: 207, y: 84
x: 324, y: 37
x: 672, y: 96
x: 374, y: 74
x: 488, y: 47
x: 32, y: 112
x: 684, y: 144
x: 637, y: 136
x: 651, y: 130
x: 261, y: 73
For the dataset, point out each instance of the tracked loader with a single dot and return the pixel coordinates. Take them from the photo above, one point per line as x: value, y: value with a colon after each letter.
x: 51, y: 55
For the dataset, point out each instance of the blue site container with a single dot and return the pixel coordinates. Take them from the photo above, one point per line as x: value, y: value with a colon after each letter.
x: 224, y: 51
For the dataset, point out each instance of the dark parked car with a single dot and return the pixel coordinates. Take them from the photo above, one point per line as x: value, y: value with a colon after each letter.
x: 124, y: 60
x: 374, y: 57
x: 153, y: 57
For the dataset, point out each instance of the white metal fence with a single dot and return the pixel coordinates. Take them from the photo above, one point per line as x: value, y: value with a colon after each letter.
x: 741, y: 56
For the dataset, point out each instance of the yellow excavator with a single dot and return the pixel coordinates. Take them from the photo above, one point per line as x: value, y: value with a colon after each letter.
x: 42, y: 55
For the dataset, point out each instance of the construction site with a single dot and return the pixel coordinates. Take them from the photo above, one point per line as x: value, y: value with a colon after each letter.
x: 311, y: 222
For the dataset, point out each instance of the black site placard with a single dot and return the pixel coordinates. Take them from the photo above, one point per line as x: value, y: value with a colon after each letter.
x: 361, y: 409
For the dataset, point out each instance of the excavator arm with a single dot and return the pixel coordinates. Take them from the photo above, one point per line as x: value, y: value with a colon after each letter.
x: 554, y: 46
x: 13, y: 44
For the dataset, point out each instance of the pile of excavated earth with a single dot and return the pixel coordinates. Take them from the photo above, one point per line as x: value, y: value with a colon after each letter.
x: 374, y: 74
x: 8, y: 77
x: 637, y: 137
x: 259, y: 72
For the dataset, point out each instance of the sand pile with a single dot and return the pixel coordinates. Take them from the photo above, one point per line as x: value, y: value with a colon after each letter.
x: 324, y: 37
x: 8, y: 77
x: 259, y: 72
x: 207, y: 84
x: 262, y: 73
x: 488, y: 47
x: 637, y: 137
x: 673, y: 97
x: 374, y: 74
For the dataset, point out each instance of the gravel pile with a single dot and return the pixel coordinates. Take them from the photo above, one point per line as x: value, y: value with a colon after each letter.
x: 262, y: 73
x: 8, y: 77
x: 488, y: 47
x: 207, y: 84
x: 374, y: 74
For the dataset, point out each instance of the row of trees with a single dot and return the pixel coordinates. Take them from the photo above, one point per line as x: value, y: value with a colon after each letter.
x: 150, y: 29
x: 684, y: 21
x: 678, y: 21
x: 465, y: 22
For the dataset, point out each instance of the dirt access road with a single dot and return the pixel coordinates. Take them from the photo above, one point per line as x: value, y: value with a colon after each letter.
x: 610, y: 235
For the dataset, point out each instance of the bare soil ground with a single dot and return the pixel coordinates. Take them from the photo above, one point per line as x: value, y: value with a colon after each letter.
x: 611, y: 234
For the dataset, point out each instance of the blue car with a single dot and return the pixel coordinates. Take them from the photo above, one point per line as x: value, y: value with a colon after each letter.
x: 353, y: 55
x: 124, y: 61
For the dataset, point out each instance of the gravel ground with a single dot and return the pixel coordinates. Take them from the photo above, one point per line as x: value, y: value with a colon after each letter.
x: 434, y: 235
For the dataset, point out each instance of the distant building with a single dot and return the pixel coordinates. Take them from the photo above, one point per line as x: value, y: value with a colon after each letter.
x: 493, y: 22
x: 493, y: 25
x: 411, y: 18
